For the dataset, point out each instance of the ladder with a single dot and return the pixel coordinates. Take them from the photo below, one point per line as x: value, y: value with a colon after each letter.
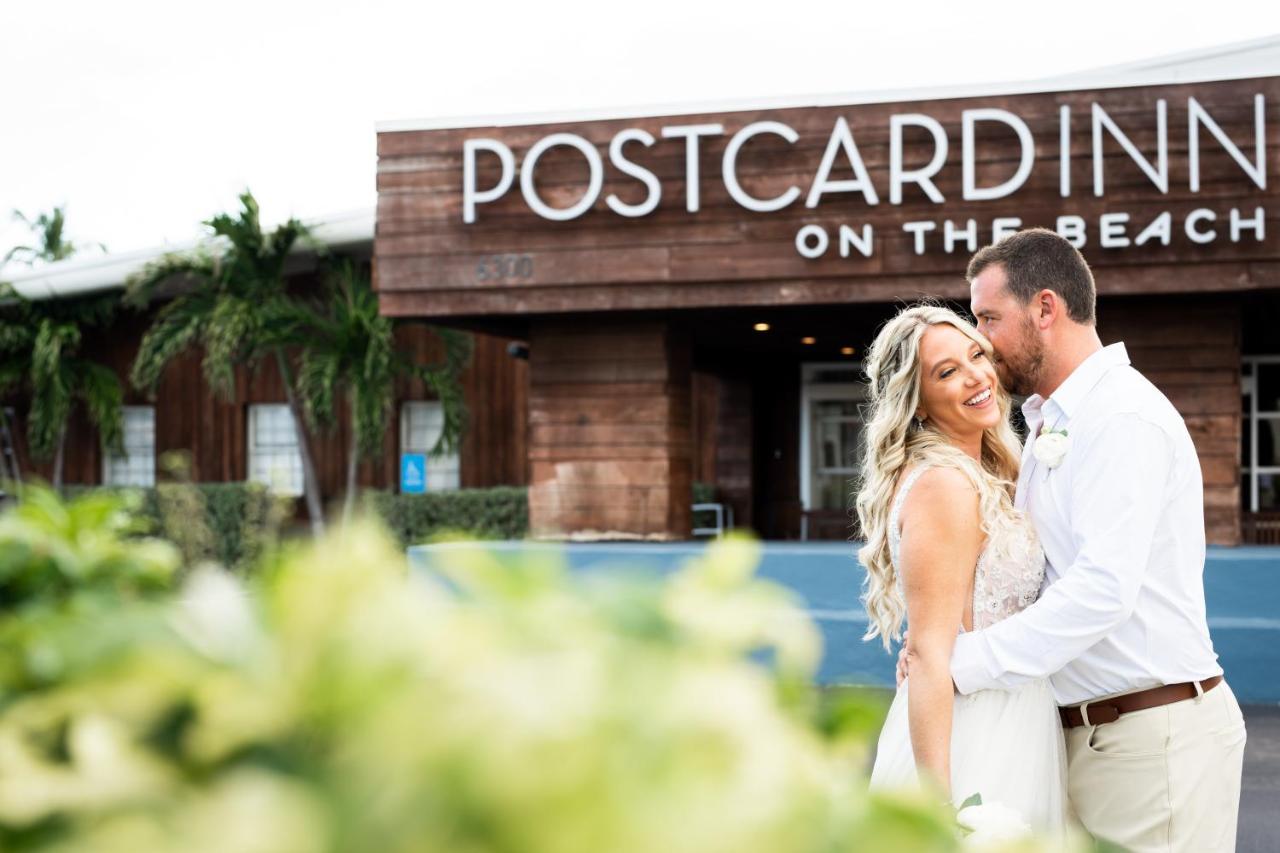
x: 9, y: 470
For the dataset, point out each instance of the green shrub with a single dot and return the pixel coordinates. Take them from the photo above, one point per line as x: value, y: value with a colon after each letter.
x: 704, y: 493
x: 228, y: 523
x: 497, y: 513
x: 243, y: 518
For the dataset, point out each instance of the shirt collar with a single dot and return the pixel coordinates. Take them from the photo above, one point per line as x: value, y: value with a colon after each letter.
x: 1076, y: 387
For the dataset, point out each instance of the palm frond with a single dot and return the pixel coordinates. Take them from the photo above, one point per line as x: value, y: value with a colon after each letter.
x: 448, y: 390
x: 231, y: 337
x: 285, y: 322
x: 371, y: 409
x: 278, y: 244
x: 53, y: 244
x: 50, y: 232
x: 458, y: 348
x: 243, y: 232
x: 50, y: 408
x: 177, y: 326
x: 99, y: 387
x: 13, y: 254
x: 199, y: 264
x: 17, y: 332
x: 317, y: 383
x: 83, y: 312
x: 54, y: 342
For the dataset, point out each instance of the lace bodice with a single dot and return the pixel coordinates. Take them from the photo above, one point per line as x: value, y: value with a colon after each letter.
x: 1010, y: 568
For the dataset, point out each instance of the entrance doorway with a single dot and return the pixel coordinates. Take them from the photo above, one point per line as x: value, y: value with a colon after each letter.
x: 832, y: 402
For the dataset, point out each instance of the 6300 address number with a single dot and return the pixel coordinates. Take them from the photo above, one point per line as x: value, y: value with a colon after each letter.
x: 496, y: 267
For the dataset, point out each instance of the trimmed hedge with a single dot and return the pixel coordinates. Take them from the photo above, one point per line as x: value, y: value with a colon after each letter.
x: 239, y: 518
x: 501, y: 512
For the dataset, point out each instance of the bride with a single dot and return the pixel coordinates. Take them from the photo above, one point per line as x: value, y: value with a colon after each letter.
x: 946, y: 549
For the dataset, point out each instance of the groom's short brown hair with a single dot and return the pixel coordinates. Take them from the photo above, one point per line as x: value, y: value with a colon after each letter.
x: 1039, y: 259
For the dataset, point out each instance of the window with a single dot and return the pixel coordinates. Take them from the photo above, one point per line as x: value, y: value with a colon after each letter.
x: 274, y: 459
x: 1260, y: 433
x: 137, y: 465
x: 421, y: 423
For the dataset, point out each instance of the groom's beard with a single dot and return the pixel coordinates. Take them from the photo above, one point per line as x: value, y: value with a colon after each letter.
x: 1020, y: 370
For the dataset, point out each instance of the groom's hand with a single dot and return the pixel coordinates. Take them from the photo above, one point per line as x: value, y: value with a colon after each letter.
x: 902, y: 660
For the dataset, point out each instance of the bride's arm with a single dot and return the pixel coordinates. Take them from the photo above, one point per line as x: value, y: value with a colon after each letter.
x: 941, y: 540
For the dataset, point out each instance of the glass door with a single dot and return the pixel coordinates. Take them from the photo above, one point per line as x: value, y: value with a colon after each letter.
x: 832, y: 400
x: 836, y: 428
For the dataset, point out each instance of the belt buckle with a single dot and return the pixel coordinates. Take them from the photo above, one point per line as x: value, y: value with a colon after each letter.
x: 1111, y: 712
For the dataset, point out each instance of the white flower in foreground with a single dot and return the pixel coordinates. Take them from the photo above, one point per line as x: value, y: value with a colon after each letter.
x: 990, y: 823
x: 1051, y: 447
x: 214, y: 613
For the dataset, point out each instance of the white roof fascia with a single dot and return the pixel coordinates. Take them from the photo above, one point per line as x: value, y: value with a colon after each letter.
x: 1255, y: 58
x: 82, y: 276
x: 1150, y: 72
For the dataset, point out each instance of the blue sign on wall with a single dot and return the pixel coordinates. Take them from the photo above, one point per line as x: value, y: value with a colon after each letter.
x: 413, y: 473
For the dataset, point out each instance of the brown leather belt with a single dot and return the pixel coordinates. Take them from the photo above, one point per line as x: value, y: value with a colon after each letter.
x: 1102, y: 711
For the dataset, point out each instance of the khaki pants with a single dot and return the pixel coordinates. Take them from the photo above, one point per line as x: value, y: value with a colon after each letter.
x: 1163, y: 779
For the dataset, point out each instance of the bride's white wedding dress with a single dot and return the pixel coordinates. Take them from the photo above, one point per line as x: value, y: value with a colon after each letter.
x: 1006, y: 745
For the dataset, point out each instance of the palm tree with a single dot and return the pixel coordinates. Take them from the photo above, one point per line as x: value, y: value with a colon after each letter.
x: 237, y: 309
x: 51, y: 244
x: 39, y: 342
x: 349, y: 348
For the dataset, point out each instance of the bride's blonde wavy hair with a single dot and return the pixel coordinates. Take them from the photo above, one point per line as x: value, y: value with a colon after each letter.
x: 894, y: 441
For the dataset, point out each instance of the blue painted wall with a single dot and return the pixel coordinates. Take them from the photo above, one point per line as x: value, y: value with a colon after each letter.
x: 1242, y: 587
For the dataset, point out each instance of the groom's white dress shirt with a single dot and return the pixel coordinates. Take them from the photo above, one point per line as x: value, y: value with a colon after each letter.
x: 1121, y: 520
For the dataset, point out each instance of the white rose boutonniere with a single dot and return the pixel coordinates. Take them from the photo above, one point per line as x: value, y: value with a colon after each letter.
x: 1051, y: 446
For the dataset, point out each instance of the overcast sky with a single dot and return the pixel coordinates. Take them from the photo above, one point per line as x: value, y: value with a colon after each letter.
x: 147, y: 117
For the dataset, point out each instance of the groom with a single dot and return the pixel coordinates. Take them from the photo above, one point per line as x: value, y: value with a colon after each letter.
x: 1155, y: 738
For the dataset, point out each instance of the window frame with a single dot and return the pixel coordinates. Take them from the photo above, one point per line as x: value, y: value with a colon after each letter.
x: 109, y: 458
x: 453, y: 461
x: 1249, y: 390
x: 254, y: 411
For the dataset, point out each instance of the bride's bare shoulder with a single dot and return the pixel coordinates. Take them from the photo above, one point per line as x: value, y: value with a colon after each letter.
x: 942, y: 494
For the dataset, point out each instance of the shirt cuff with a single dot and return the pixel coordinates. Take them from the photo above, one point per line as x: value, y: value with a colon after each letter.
x: 969, y: 670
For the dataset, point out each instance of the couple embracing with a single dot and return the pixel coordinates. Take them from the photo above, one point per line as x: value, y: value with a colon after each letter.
x: 1058, y: 660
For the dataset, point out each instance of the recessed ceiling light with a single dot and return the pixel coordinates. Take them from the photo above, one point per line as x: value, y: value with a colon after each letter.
x: 846, y: 350
x: 808, y: 341
x: 761, y: 327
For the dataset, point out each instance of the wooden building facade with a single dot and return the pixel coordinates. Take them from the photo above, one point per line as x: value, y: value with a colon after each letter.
x: 695, y: 290
x: 214, y: 432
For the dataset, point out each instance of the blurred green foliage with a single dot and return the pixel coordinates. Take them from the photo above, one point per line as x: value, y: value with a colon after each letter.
x: 333, y: 700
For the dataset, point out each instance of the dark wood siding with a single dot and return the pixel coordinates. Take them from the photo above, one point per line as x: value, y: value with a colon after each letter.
x: 1190, y: 349
x: 189, y: 417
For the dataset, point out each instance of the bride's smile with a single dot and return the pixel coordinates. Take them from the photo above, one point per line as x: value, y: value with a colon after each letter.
x: 957, y: 394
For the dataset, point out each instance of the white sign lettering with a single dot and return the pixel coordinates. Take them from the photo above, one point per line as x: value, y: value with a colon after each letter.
x: 842, y: 176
